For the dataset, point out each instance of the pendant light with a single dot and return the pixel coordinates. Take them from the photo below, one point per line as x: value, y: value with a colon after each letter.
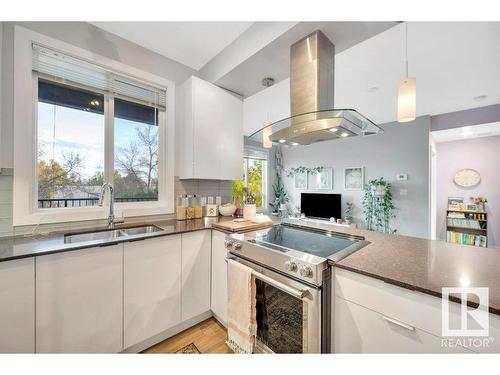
x: 266, y: 133
x: 407, y: 94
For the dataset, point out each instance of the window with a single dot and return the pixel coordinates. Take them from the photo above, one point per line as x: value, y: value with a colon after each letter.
x: 94, y: 126
x: 136, y: 152
x: 70, y: 130
x: 254, y: 180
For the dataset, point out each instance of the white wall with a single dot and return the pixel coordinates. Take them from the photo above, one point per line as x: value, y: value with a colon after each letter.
x: 403, y: 148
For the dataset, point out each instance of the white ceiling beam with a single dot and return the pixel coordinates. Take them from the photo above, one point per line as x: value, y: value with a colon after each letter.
x: 256, y: 37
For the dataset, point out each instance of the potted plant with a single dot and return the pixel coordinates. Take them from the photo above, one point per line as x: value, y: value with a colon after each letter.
x: 280, y: 196
x: 348, y: 213
x: 378, y: 206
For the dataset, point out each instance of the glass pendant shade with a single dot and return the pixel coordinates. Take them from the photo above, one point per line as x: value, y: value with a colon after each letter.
x: 266, y: 133
x: 407, y: 100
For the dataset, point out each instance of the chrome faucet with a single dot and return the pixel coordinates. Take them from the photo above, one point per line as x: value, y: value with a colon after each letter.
x: 111, y: 216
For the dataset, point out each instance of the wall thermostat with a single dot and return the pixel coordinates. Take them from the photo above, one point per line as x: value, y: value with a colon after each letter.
x: 402, y: 177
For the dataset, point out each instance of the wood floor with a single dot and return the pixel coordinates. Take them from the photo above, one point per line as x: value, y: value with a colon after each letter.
x: 209, y: 337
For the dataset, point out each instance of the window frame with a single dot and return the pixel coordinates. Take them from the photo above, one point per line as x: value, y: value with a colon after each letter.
x: 264, y: 179
x: 26, y: 211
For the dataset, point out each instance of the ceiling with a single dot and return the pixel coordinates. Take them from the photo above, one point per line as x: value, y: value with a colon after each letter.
x: 456, y: 64
x: 274, y: 59
x: 190, y: 43
x: 467, y: 132
x: 453, y: 62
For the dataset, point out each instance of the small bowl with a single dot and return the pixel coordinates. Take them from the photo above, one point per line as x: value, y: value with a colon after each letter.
x: 227, y: 210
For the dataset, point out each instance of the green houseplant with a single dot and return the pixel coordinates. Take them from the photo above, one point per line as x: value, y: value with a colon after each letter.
x: 280, y: 194
x: 378, y: 206
x: 348, y: 213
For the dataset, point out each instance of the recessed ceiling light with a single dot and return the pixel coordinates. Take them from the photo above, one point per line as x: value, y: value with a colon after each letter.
x: 344, y: 134
x: 333, y: 130
x: 373, y: 89
x: 295, y: 144
x: 480, y: 98
x: 282, y: 141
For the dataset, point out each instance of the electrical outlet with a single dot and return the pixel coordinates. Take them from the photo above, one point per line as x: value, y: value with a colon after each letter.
x: 403, y: 192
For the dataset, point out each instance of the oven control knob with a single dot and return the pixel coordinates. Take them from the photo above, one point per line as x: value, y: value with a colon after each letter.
x: 228, y: 244
x: 306, y: 271
x: 237, y: 246
x: 291, y: 266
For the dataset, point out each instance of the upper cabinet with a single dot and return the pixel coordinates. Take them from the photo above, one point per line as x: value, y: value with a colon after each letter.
x: 265, y: 107
x: 210, y: 126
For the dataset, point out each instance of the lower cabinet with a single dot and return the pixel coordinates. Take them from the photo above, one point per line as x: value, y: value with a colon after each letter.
x: 195, y: 273
x: 79, y: 301
x: 219, y: 277
x: 361, y: 330
x: 17, y: 306
x: 152, y: 287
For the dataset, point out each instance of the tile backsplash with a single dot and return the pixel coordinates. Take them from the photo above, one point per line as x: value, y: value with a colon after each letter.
x: 182, y: 187
x: 6, y: 183
x: 204, y: 188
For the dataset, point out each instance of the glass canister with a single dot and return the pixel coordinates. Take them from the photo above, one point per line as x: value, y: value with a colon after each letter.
x: 189, y: 208
x: 180, y: 208
x: 198, y: 208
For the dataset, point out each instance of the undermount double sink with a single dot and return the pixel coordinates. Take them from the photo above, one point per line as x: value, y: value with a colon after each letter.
x: 111, y: 234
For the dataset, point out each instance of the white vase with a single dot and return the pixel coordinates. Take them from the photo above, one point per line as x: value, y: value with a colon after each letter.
x: 249, y: 211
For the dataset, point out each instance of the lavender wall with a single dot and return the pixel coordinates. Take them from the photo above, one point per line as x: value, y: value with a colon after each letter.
x: 481, y: 154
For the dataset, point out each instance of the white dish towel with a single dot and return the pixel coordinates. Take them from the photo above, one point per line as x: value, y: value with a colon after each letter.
x: 241, y: 324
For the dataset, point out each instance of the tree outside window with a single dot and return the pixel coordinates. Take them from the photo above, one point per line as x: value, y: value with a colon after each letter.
x: 254, y: 179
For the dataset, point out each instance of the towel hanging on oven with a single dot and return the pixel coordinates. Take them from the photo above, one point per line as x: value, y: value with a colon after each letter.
x: 241, y: 323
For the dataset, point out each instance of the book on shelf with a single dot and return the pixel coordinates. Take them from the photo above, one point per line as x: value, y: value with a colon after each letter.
x: 466, y: 223
x: 466, y: 239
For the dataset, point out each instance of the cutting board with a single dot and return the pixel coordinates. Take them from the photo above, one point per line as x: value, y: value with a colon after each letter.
x: 241, y: 226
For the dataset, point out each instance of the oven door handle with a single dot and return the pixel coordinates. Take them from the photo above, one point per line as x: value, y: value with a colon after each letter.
x: 298, y: 293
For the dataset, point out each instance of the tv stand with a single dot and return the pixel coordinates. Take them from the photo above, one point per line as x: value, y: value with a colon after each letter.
x: 320, y: 221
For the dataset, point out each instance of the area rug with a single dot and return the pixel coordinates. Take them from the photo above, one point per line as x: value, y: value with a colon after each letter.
x: 188, y: 349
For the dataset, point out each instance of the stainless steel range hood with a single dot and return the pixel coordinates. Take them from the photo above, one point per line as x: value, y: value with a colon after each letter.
x: 313, y: 117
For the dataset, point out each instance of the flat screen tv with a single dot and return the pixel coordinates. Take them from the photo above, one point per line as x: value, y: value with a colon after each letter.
x: 321, y: 206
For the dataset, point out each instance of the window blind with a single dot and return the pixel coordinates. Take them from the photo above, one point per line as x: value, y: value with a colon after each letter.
x: 66, y: 69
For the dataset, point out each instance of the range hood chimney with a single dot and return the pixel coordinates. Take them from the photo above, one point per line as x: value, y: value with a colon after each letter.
x: 312, y: 61
x: 313, y: 117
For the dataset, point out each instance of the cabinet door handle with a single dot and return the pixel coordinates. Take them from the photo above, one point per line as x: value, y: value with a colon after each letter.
x: 398, y: 323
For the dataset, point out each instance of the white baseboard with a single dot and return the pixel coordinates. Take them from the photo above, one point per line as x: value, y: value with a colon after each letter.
x: 137, y: 348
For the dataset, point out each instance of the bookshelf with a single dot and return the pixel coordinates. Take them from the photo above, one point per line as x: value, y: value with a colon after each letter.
x: 467, y: 227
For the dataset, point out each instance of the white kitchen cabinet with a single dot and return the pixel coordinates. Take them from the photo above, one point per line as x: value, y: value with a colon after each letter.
x: 151, y: 287
x: 373, y: 316
x: 195, y: 273
x: 17, y: 306
x: 219, y: 277
x: 79, y: 301
x: 210, y: 127
x: 361, y: 330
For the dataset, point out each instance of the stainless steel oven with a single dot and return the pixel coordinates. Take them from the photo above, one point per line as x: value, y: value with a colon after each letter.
x: 291, y: 264
x: 288, y: 312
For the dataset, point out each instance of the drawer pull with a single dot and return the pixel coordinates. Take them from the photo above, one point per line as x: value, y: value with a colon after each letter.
x: 398, y: 323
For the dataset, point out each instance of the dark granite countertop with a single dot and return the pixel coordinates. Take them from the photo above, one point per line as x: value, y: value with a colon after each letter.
x: 412, y: 263
x: 425, y: 265
x: 24, y: 247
